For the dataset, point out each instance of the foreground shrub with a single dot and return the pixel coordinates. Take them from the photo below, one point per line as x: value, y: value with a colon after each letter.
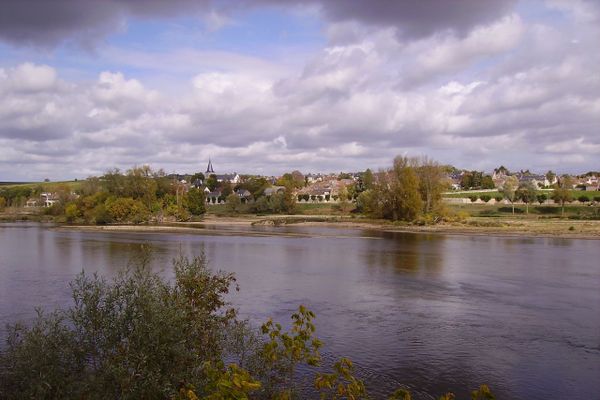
x: 135, y: 337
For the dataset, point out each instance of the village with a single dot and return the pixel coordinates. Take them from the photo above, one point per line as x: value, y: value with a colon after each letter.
x: 463, y: 186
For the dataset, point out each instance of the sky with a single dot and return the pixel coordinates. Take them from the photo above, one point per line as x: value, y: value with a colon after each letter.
x: 266, y: 87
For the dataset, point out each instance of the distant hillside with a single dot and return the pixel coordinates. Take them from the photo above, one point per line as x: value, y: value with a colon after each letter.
x: 14, y: 183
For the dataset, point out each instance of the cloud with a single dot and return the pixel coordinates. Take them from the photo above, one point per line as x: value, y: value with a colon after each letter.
x: 412, y: 19
x: 32, y: 105
x: 509, y: 90
x: 47, y: 24
x: 441, y: 55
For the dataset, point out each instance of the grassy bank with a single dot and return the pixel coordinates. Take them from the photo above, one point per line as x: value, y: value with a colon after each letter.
x: 576, y: 194
x: 579, y: 221
x: 584, y: 212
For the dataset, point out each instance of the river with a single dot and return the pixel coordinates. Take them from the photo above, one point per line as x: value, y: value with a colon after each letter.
x: 436, y: 312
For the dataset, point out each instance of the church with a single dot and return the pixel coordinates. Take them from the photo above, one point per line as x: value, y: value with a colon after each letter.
x: 232, y: 178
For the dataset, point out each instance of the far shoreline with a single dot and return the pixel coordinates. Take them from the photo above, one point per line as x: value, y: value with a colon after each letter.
x: 505, y: 227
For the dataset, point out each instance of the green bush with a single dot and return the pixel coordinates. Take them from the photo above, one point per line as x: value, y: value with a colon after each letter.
x: 473, y: 198
x: 136, y: 337
x: 72, y: 212
x: 196, y: 202
x: 127, y: 210
x: 541, y: 198
x: 583, y: 199
x: 485, y: 198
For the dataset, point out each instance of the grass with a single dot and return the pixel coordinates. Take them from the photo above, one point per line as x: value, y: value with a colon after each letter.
x: 47, y: 186
x: 535, y: 211
x: 575, y: 193
x: 466, y: 195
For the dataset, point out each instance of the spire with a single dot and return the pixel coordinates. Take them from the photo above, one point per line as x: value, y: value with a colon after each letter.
x: 209, y: 168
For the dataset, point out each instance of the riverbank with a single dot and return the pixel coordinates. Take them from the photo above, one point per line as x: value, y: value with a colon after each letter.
x: 520, y: 227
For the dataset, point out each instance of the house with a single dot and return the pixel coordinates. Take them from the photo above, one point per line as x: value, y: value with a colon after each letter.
x: 313, y: 178
x: 212, y: 197
x: 243, y: 193
x: 274, y: 190
x: 49, y: 199
x: 538, y: 181
x: 455, y: 179
x: 232, y: 178
x: 31, y: 203
x: 591, y: 180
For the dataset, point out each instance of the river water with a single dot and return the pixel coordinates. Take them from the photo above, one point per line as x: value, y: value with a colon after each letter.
x: 434, y: 313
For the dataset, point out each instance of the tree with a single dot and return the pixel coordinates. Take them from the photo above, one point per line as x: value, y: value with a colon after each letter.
x: 367, y: 179
x: 431, y: 183
x: 298, y: 179
x: 90, y: 186
x: 211, y: 182
x: 527, y: 193
x: 226, y: 189
x: 294, y: 180
x: 343, y: 204
x: 472, y: 180
x: 126, y: 209
x: 196, y: 201
x: 197, y: 179
x: 550, y: 176
x: 256, y: 185
x: 487, y: 182
x: 562, y: 195
x: 396, y: 192
x: 541, y: 198
x: 509, y: 190
x: 233, y: 203
x: 2, y: 203
x: 140, y: 185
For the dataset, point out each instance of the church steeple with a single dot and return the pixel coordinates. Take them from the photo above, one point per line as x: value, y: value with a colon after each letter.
x: 209, y: 168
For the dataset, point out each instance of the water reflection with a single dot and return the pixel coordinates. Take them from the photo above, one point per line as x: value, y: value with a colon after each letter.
x: 411, y: 253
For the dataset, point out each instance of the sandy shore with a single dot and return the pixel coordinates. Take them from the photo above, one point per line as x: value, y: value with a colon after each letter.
x: 243, y: 225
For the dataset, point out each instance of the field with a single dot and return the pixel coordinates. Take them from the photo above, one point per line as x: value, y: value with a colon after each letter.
x: 575, y: 193
x: 46, y: 186
x: 536, y: 211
